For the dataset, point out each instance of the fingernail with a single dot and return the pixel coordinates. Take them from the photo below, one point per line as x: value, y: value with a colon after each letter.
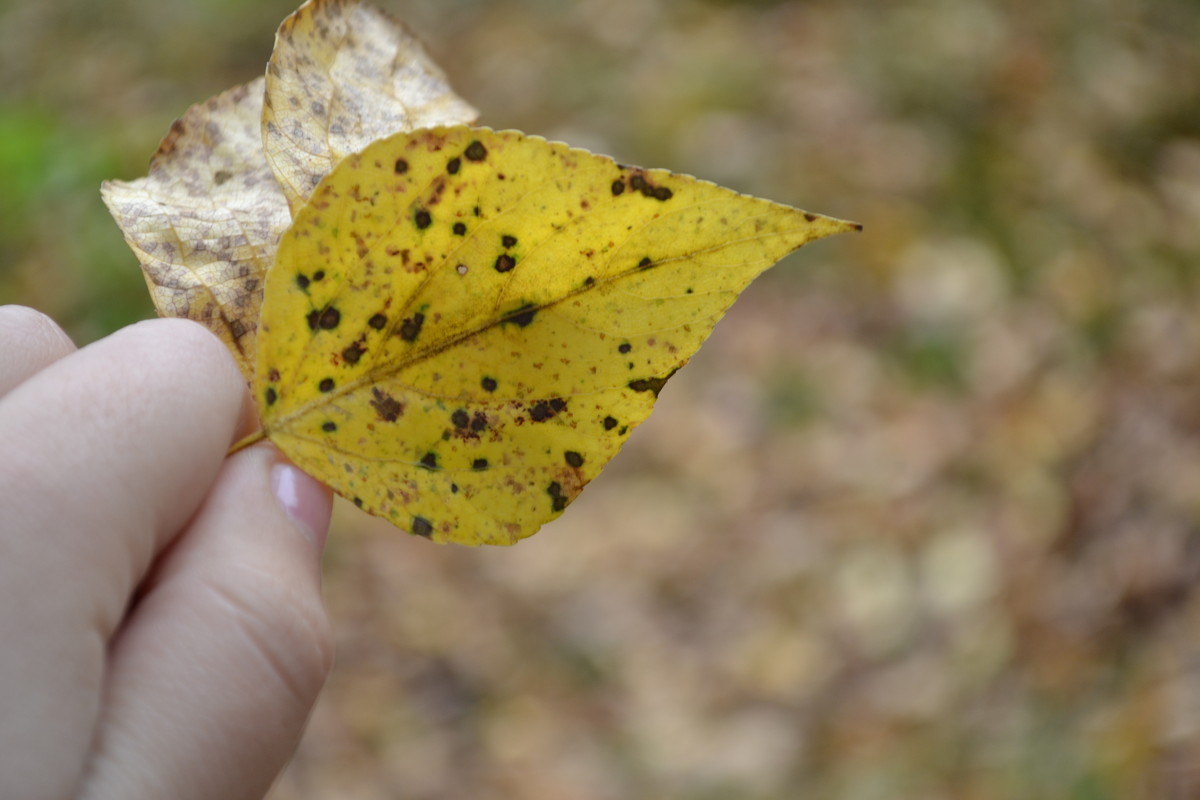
x: 306, y: 501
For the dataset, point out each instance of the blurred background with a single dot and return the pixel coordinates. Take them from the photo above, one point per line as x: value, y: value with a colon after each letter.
x: 922, y: 519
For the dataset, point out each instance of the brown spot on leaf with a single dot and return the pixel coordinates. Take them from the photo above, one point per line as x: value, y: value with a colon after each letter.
x: 811, y: 217
x: 387, y: 407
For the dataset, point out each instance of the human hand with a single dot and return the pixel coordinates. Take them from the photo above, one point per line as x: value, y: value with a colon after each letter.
x: 161, y: 626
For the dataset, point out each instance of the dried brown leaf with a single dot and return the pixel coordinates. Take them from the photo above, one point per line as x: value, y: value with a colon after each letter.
x: 206, y: 222
x: 342, y: 75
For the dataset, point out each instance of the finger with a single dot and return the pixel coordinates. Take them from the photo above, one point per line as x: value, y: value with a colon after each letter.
x: 213, y: 676
x: 29, y: 342
x: 107, y: 453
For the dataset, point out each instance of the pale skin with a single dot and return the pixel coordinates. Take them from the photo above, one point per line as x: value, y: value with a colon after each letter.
x: 160, y: 609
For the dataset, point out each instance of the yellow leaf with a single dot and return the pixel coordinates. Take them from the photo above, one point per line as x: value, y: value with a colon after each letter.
x: 342, y: 75
x: 462, y: 326
x: 205, y: 222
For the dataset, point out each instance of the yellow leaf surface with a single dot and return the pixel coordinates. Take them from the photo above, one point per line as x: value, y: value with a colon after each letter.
x: 462, y: 326
x: 205, y: 222
x: 342, y: 75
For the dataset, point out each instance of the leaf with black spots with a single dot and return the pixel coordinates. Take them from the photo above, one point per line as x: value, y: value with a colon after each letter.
x: 482, y: 400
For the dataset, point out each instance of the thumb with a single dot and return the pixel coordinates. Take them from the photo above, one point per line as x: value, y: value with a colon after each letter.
x: 212, y: 676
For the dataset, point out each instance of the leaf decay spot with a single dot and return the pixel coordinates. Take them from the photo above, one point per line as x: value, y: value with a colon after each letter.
x: 453, y: 165
x: 558, y: 500
x: 654, y: 385
x: 410, y: 329
x: 326, y: 318
x: 508, y: 240
x: 488, y: 384
x: 326, y: 385
x: 573, y: 459
x: 461, y: 418
x: 422, y: 527
x: 476, y: 151
x: 610, y: 423
x: 505, y: 262
x: 387, y: 407
x: 329, y: 427
x: 353, y: 353
x: 422, y: 219
x: 271, y: 395
x: 624, y: 347
x: 302, y: 281
x: 401, y: 166
x: 377, y: 321
x: 523, y: 316
x: 459, y: 229
x: 479, y: 464
x: 429, y: 461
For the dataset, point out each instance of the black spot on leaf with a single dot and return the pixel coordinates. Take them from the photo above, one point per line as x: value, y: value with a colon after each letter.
x: 573, y: 459
x: 326, y: 385
x: 558, y: 405
x: 422, y: 527
x: 476, y: 151
x: 319, y: 275
x: 377, y: 321
x: 358, y: 502
x: 429, y: 461
x: 558, y: 500
x: 270, y: 395
x: 329, y: 427
x: 508, y: 241
x: 453, y: 165
x: 654, y: 385
x: 411, y: 327
x: 479, y: 464
x: 460, y: 229
x: 422, y: 219
x: 645, y: 263
x: 479, y: 422
x: 302, y: 281
x: 618, y: 187
x: 460, y: 418
x: 326, y: 318
x: 489, y: 384
x: 662, y: 193
x: 624, y: 347
x: 353, y: 353
x: 610, y: 423
x: 401, y: 166
x: 505, y: 262
x: 522, y: 316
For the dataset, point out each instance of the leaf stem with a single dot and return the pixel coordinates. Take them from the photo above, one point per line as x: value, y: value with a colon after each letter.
x: 246, y: 441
